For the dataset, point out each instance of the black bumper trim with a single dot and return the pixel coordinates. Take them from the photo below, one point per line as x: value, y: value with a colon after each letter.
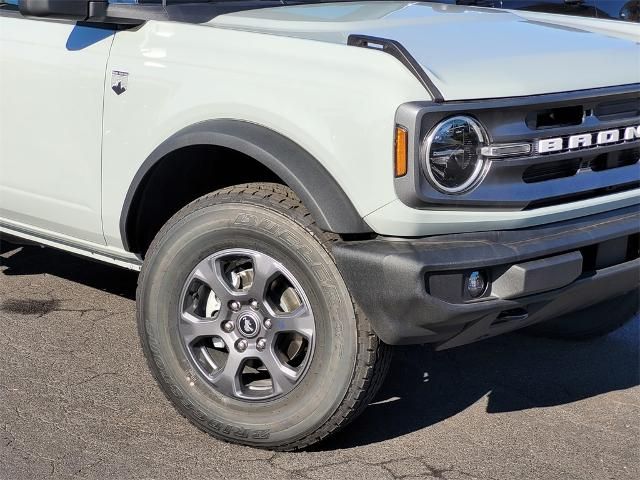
x: 387, y: 278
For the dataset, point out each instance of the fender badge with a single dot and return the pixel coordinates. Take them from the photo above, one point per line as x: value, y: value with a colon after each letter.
x: 119, y: 81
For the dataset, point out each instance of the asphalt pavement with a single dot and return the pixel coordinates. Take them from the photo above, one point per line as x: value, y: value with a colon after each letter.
x: 77, y: 401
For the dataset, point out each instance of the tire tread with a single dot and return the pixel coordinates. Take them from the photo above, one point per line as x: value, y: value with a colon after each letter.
x: 373, y: 357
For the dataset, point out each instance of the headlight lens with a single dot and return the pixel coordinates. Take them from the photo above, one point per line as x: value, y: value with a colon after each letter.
x: 452, y: 158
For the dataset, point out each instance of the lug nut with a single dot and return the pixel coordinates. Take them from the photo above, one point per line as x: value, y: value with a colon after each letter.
x: 234, y: 305
x: 227, y: 326
x: 241, y: 345
x: 261, y: 344
x: 267, y: 324
x: 254, y: 304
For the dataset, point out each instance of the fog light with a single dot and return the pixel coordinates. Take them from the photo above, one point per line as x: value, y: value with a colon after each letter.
x: 476, y: 284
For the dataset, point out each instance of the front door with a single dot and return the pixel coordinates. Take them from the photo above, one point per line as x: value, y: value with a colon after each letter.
x: 52, y: 78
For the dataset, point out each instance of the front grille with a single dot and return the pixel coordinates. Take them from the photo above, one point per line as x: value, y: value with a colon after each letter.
x: 610, y: 160
x: 618, y: 109
x: 551, y: 170
x: 583, y: 144
x: 543, y: 172
x: 556, y: 117
x: 576, y: 197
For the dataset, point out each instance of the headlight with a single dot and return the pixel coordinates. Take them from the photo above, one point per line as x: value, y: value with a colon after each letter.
x: 451, y: 154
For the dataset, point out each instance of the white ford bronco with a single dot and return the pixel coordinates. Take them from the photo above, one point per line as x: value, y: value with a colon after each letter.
x: 305, y: 184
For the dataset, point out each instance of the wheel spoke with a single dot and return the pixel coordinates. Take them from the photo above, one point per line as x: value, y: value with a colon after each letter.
x: 227, y: 379
x: 300, y: 321
x: 221, y: 291
x: 193, y: 327
x: 210, y: 273
x: 282, y: 376
x: 265, y: 269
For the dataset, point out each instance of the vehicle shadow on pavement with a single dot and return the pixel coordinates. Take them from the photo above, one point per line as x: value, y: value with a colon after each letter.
x: 34, y: 260
x: 515, y: 371
x: 424, y: 387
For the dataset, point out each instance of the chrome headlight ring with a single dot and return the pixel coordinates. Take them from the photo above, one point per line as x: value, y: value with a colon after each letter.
x: 452, y: 156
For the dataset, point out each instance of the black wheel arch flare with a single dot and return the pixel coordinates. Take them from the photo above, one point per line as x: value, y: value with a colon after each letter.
x: 304, y: 174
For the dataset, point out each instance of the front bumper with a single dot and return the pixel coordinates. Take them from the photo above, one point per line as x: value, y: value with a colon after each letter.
x: 413, y: 291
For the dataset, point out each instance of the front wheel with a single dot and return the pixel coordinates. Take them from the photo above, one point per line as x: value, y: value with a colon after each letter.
x: 248, y: 326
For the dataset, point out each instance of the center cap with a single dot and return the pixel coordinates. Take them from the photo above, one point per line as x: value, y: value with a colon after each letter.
x: 248, y: 324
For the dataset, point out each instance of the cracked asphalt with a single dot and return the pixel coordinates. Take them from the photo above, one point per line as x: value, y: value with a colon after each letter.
x: 77, y: 401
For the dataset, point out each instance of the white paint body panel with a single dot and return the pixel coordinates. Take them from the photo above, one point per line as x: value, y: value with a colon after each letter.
x: 51, y: 93
x: 288, y: 69
x: 469, y: 52
x: 335, y: 101
x: 410, y: 222
x: 612, y: 28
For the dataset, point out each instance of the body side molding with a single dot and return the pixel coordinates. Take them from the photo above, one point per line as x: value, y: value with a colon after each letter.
x: 85, y: 249
x: 306, y: 176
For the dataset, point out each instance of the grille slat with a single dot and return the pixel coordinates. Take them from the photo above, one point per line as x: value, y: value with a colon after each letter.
x: 551, y: 170
x: 610, y: 160
x: 618, y: 109
x: 543, y: 172
x: 575, y: 197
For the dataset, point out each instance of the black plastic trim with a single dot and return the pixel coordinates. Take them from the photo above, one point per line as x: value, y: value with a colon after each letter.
x: 397, y: 50
x: 128, y: 15
x: 59, y: 9
x: 505, y: 121
x: 64, y: 242
x: 304, y: 174
x: 388, y: 278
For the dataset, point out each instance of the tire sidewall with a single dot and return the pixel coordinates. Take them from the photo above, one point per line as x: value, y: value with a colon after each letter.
x: 180, y: 248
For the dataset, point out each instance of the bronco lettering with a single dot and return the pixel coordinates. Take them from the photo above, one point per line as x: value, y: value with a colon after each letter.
x: 587, y: 140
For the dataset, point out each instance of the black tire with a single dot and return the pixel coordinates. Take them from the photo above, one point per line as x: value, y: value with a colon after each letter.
x: 348, y: 364
x: 593, y: 322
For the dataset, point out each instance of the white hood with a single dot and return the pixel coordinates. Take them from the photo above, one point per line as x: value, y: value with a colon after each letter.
x: 470, y: 53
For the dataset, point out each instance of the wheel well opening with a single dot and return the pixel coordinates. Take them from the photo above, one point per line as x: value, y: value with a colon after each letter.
x: 179, y: 178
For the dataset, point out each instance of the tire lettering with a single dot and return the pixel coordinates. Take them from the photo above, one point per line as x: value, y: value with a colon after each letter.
x: 237, y: 432
x: 246, y: 219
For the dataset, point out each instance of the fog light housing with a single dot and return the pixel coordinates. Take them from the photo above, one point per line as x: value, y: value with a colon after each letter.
x: 476, y: 284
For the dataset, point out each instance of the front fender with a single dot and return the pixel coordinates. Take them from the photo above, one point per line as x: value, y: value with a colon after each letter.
x: 305, y: 175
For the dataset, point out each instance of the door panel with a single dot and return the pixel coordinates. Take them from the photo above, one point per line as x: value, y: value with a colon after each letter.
x: 52, y: 77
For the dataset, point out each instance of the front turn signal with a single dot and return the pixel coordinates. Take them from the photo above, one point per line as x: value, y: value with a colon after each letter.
x: 401, y: 152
